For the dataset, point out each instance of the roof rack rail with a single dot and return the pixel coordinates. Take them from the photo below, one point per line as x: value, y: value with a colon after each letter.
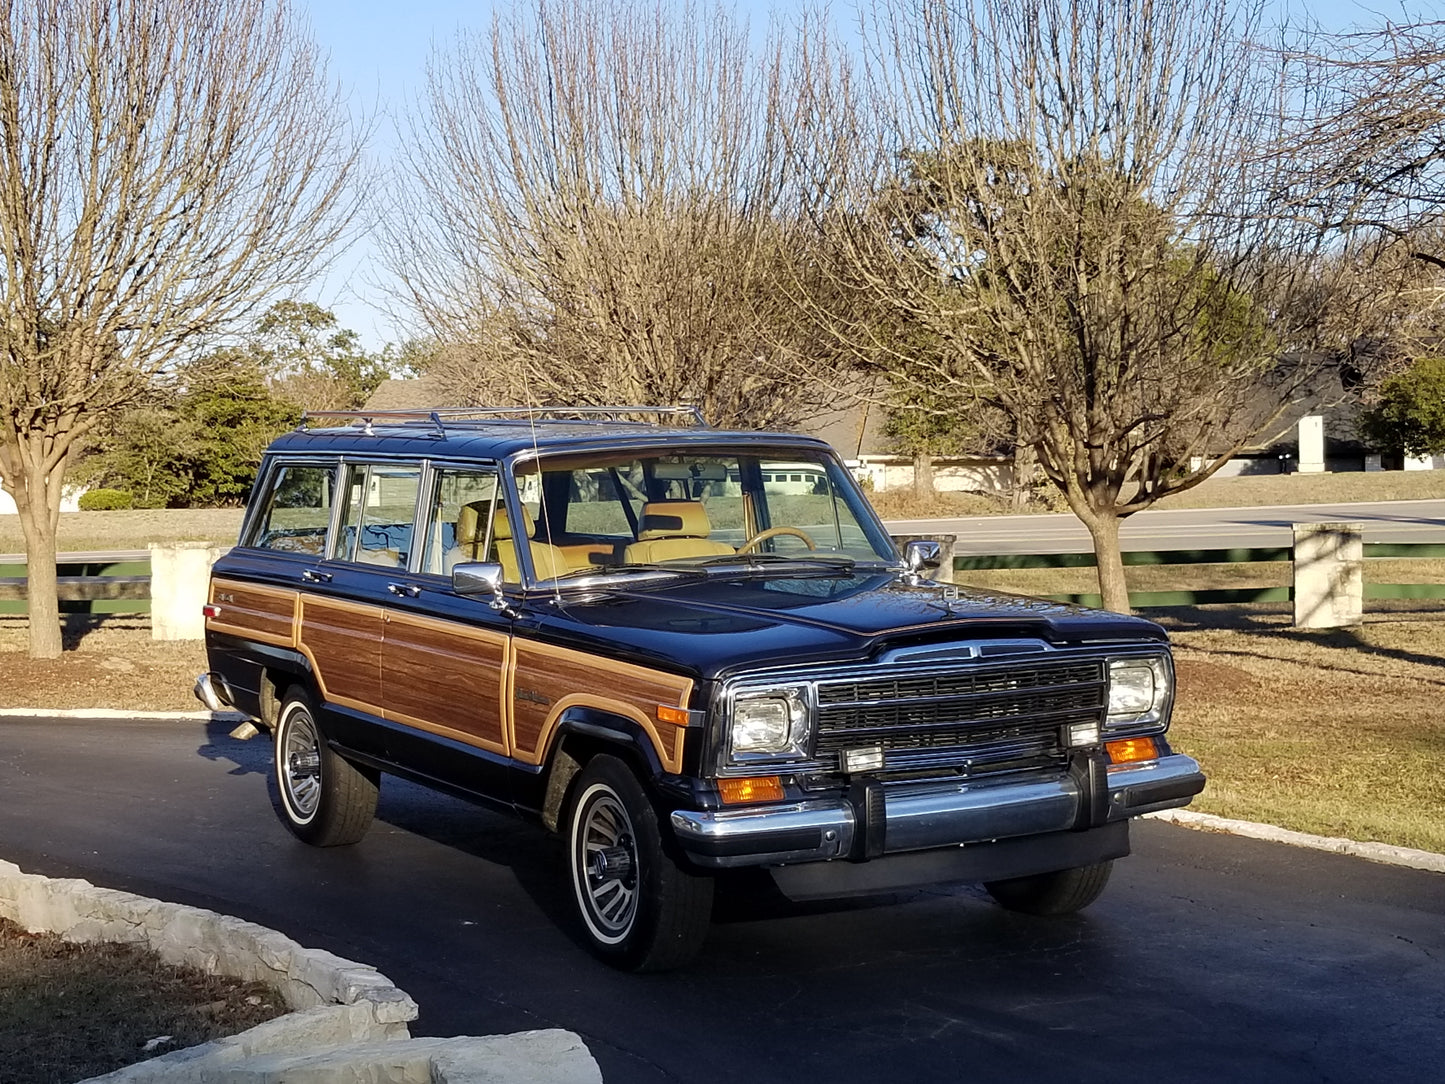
x: 441, y: 415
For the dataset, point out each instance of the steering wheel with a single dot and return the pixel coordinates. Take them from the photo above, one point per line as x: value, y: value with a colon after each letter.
x: 773, y: 532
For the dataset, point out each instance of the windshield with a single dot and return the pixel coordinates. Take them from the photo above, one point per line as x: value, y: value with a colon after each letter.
x: 697, y: 510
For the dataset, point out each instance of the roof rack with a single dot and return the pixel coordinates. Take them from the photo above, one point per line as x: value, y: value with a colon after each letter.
x: 441, y: 415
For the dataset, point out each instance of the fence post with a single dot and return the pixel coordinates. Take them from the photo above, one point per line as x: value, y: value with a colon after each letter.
x: 946, y: 544
x: 180, y: 576
x: 1329, y: 575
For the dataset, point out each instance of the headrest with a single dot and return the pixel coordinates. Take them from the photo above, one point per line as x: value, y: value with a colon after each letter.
x: 470, y: 522
x: 502, y: 526
x: 673, y: 519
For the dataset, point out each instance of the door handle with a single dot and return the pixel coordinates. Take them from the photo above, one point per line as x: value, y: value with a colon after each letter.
x: 404, y: 590
x: 313, y: 576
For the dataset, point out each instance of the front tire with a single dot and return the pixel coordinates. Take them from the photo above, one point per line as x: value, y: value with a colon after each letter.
x: 1061, y: 892
x: 324, y: 799
x: 640, y: 909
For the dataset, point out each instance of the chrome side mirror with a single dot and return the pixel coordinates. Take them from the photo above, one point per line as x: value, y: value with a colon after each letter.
x: 922, y: 556
x: 478, y: 578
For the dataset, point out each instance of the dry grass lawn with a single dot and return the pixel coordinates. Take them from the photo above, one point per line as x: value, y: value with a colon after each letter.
x: 1339, y: 733
x: 132, y: 529
x: 71, y: 1011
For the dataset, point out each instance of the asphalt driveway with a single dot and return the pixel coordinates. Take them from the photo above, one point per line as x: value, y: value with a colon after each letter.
x: 1210, y: 958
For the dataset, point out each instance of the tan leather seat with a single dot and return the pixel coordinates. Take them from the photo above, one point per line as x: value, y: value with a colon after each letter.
x: 471, y: 534
x: 673, y: 529
x: 548, y: 560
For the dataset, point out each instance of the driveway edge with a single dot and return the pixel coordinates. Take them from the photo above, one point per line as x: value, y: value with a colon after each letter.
x: 1374, y: 852
x: 348, y: 1021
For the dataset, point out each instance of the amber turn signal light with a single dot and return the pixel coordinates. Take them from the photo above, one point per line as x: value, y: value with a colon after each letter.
x: 762, y: 788
x: 675, y: 716
x: 1129, y: 750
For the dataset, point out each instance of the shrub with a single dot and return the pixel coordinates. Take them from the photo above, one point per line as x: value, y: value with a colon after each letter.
x: 104, y: 500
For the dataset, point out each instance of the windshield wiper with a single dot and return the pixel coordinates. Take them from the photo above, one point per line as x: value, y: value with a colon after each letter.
x: 832, y: 560
x: 601, y: 571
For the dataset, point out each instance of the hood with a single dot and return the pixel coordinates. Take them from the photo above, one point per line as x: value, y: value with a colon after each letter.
x: 721, y: 625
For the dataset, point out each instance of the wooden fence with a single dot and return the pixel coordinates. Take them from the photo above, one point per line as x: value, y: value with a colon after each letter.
x: 108, y: 583
x: 1419, y: 551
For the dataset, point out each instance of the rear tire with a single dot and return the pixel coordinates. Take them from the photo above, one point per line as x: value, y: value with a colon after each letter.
x: 1061, y: 892
x: 324, y: 799
x: 640, y: 909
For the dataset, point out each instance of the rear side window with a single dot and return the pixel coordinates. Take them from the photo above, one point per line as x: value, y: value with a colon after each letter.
x: 379, y: 518
x: 297, y: 512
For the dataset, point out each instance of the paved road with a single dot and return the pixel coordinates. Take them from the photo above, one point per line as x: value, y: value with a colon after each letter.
x: 1209, y: 959
x: 1193, y: 528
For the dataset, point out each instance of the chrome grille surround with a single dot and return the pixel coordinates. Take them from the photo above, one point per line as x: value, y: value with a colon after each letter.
x: 975, y: 713
x: 1005, y: 714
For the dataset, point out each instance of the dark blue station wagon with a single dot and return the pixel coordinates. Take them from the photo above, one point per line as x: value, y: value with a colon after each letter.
x: 687, y: 650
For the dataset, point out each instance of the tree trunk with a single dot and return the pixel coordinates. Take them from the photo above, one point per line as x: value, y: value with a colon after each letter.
x: 37, y: 500
x: 1104, y: 529
x: 1023, y: 475
x: 923, y: 476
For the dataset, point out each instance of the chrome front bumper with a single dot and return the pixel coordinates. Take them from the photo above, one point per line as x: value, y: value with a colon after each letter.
x: 924, y: 817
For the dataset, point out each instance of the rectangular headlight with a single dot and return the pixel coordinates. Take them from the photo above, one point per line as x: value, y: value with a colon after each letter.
x: 1139, y: 690
x: 771, y: 722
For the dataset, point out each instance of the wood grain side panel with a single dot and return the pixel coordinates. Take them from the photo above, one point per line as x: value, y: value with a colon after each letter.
x: 548, y: 680
x: 266, y: 614
x: 343, y: 642
x: 446, y: 677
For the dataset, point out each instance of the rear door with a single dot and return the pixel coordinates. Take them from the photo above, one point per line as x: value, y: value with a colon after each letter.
x: 446, y: 658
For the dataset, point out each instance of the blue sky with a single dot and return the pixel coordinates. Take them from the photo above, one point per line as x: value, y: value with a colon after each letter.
x: 379, y: 51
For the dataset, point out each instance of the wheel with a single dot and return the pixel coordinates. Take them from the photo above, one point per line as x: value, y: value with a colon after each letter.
x: 640, y: 910
x: 773, y: 532
x: 325, y: 799
x: 1061, y: 892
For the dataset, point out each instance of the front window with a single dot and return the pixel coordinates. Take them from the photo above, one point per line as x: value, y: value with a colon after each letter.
x: 701, y: 509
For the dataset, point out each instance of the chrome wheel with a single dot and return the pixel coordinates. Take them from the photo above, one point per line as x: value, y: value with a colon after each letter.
x: 640, y: 909
x: 324, y: 799
x: 605, y: 861
x: 299, y: 759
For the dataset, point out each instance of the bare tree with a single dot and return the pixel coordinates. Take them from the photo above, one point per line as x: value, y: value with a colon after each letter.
x: 1075, y: 208
x: 599, y: 211
x: 165, y: 166
x: 1366, y: 133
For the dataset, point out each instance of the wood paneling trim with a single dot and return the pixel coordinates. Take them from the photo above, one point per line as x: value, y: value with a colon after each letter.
x: 253, y: 612
x: 447, y: 677
x: 548, y: 680
x: 343, y: 643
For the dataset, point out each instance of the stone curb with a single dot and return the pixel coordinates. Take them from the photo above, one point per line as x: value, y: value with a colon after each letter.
x: 1374, y: 852
x: 348, y: 1021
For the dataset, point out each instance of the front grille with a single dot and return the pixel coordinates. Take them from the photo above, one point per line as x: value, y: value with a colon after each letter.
x: 979, y: 719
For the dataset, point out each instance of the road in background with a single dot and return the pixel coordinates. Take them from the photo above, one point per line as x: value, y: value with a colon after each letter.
x: 1189, y: 528
x: 1210, y: 958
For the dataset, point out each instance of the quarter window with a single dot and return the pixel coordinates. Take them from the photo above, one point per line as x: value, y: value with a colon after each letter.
x: 298, y: 511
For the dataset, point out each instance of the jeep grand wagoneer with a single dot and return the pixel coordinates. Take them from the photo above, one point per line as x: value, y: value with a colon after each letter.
x: 689, y: 651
